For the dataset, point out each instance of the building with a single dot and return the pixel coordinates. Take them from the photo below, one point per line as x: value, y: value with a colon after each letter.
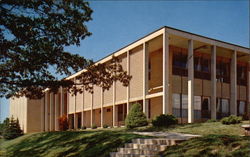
x: 174, y: 72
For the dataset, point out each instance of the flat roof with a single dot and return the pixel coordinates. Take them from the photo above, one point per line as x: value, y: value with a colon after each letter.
x: 158, y: 30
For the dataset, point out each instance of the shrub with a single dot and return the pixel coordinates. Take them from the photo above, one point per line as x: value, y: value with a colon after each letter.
x: 231, y: 120
x: 11, y: 129
x: 63, y: 123
x: 164, y: 120
x: 83, y: 127
x: 105, y: 126
x: 136, y: 117
x: 94, y: 126
x: 211, y: 120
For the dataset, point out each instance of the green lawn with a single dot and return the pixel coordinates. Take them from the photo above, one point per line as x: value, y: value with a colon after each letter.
x: 217, y: 140
x: 71, y: 143
x: 202, y: 128
x: 211, y: 146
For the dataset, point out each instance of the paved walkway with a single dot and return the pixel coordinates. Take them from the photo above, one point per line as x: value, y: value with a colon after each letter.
x: 169, y: 135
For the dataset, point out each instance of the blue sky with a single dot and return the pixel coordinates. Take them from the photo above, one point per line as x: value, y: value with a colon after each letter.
x: 116, y: 24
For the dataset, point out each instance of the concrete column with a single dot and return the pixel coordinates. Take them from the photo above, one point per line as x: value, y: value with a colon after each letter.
x: 213, y: 82
x: 145, y: 77
x: 91, y: 112
x: 52, y: 112
x: 190, y: 82
x: 67, y: 112
x: 165, y: 107
x: 128, y: 71
x: 233, y: 84
x: 56, y: 111
x: 43, y: 113
x: 114, y: 110
x: 46, y: 112
x: 248, y: 88
x: 75, y: 121
x: 82, y: 108
x: 101, y: 108
x: 62, y: 101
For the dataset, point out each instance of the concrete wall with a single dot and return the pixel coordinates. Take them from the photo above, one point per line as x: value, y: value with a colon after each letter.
x: 34, y: 115
x: 155, y: 106
x: 121, y: 91
x: 136, y: 68
x: 18, y: 109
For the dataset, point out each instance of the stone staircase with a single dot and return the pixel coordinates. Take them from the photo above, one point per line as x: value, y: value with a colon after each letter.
x: 145, y: 147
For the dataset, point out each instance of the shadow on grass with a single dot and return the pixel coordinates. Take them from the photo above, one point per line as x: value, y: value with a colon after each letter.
x: 60, y: 144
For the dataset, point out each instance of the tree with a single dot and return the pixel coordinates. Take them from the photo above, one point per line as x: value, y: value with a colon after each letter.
x: 12, y: 129
x: 63, y: 123
x: 136, y: 117
x: 33, y: 35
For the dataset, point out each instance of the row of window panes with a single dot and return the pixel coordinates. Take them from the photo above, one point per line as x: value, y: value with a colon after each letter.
x: 202, y: 66
x: 199, y: 105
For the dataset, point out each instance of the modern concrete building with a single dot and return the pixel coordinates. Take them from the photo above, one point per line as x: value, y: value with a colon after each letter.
x: 174, y: 72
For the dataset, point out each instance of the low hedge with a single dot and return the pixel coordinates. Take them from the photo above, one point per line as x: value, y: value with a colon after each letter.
x: 231, y: 120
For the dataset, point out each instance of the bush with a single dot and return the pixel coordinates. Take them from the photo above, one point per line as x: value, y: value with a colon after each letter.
x: 231, y: 120
x: 83, y: 127
x: 136, y: 117
x: 105, y: 126
x: 11, y: 129
x: 63, y: 123
x: 211, y: 120
x: 164, y: 120
x: 94, y: 126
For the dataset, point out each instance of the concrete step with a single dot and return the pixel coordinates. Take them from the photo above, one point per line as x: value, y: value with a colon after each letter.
x: 158, y: 141
x: 137, y: 151
x: 154, y: 147
x: 117, y: 154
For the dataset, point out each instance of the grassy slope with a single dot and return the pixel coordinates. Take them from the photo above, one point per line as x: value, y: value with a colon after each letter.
x: 202, y: 129
x: 212, y: 146
x: 71, y: 143
x: 226, y: 142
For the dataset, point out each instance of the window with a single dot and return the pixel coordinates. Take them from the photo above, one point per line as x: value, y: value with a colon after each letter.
x: 242, y: 107
x: 241, y: 75
x: 176, y: 105
x: 197, y: 107
x: 222, y: 108
x: 180, y: 63
x: 223, y: 71
x: 149, y: 70
x: 180, y: 105
x: 225, y: 106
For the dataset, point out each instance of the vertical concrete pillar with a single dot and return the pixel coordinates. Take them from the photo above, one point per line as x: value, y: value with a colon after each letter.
x: 75, y: 115
x: 46, y: 112
x: 190, y: 82
x: 248, y: 88
x: 128, y: 71
x: 165, y: 107
x: 56, y: 111
x: 213, y: 82
x: 91, y: 112
x: 52, y: 111
x: 82, y: 109
x: 102, y: 108
x: 75, y: 120
x: 62, y: 101
x: 43, y: 113
x: 233, y: 84
x: 114, y: 110
x: 145, y: 77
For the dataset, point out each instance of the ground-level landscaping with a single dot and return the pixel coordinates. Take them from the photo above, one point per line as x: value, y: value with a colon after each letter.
x: 217, y: 140
x: 69, y: 143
